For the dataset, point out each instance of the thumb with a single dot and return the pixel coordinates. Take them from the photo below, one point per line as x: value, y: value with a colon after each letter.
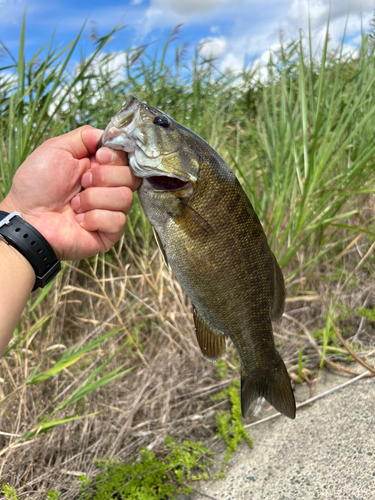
x: 80, y: 143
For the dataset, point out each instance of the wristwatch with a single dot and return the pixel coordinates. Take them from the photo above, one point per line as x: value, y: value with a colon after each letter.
x: 18, y: 233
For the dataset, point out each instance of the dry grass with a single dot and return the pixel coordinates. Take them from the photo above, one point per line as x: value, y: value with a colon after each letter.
x: 303, y: 148
x: 168, y: 390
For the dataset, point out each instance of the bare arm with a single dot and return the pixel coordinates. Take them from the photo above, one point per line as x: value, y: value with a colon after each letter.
x: 76, y: 198
x: 17, y: 281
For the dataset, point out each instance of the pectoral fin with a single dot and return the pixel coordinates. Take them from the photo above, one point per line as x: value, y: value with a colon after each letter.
x: 278, y: 291
x: 161, y: 248
x: 211, y: 341
x: 194, y: 224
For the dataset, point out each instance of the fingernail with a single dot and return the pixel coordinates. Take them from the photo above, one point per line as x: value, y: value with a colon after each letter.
x: 105, y: 156
x: 79, y: 218
x: 86, y: 180
x: 76, y: 203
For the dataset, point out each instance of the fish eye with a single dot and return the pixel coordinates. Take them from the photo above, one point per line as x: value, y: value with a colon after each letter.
x: 161, y: 121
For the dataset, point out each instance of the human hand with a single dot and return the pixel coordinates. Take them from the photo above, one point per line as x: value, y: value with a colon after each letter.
x: 47, y: 191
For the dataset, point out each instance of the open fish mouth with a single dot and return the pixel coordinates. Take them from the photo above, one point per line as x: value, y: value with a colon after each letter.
x: 166, y: 183
x: 154, y: 146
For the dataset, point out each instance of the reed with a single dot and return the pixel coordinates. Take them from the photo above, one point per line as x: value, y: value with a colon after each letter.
x: 107, y: 351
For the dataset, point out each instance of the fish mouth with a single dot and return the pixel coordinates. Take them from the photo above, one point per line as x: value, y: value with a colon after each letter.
x: 153, y: 154
x: 166, y: 183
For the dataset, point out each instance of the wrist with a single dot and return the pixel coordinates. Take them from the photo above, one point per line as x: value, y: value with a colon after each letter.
x: 32, y: 245
x: 6, y: 205
x: 12, y: 258
x: 17, y: 281
x: 17, y: 265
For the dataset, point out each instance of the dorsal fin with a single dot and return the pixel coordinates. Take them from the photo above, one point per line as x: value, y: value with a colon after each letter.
x: 211, y: 341
x: 278, y: 304
x: 161, y: 248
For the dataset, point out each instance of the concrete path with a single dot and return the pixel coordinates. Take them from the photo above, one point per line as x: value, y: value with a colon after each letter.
x: 327, y: 452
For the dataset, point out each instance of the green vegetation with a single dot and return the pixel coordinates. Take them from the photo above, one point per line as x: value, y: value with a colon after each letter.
x: 301, y: 364
x: 9, y: 492
x: 326, y: 335
x: 367, y: 313
x: 150, y: 478
x: 221, y: 369
x: 229, y: 425
x: 108, y: 349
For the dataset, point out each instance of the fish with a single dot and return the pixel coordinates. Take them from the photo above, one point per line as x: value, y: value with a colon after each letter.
x: 211, y: 237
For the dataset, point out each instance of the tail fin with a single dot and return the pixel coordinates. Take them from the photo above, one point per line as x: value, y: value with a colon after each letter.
x: 273, y: 384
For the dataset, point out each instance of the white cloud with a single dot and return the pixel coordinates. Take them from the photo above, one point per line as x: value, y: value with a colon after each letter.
x: 213, y: 47
x: 250, y: 27
x: 232, y: 62
x: 116, y: 66
x: 258, y: 29
x: 188, y: 7
x: 11, y: 11
x: 169, y: 13
x: 155, y: 17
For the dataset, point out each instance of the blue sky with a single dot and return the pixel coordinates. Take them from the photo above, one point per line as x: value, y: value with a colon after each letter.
x: 231, y: 28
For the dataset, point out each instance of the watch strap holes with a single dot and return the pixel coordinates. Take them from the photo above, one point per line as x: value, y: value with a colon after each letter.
x: 25, y: 235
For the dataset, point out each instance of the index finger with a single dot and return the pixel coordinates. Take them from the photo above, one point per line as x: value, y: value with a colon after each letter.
x: 107, y: 156
x: 110, y: 176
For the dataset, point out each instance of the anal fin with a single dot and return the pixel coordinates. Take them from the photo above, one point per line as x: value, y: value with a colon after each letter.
x: 211, y: 341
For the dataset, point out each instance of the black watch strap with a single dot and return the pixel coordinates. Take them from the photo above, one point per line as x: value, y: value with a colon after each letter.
x: 34, y: 247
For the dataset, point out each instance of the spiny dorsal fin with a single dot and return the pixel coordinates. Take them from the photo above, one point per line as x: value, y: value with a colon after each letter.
x: 278, y: 292
x: 211, y: 341
x: 161, y: 248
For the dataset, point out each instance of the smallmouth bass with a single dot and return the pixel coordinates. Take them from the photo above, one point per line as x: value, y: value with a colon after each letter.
x: 211, y: 237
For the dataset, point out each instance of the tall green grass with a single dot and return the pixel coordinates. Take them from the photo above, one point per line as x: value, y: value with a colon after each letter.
x: 300, y: 138
x: 299, y: 135
x: 39, y: 97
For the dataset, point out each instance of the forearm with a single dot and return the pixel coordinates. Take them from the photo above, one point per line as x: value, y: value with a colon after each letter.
x: 17, y: 279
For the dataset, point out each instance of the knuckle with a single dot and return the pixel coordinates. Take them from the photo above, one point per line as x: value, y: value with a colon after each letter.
x: 118, y: 221
x: 121, y: 219
x: 100, y: 176
x: 86, y: 199
x: 90, y: 221
x: 49, y: 142
x: 126, y: 196
x: 85, y: 127
x: 122, y: 158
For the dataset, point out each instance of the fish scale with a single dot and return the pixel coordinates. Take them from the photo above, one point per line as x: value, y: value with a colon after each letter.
x: 214, y: 242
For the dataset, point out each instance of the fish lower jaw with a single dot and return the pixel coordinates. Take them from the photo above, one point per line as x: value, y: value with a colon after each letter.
x: 118, y: 143
x: 166, y: 183
x: 156, y: 178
